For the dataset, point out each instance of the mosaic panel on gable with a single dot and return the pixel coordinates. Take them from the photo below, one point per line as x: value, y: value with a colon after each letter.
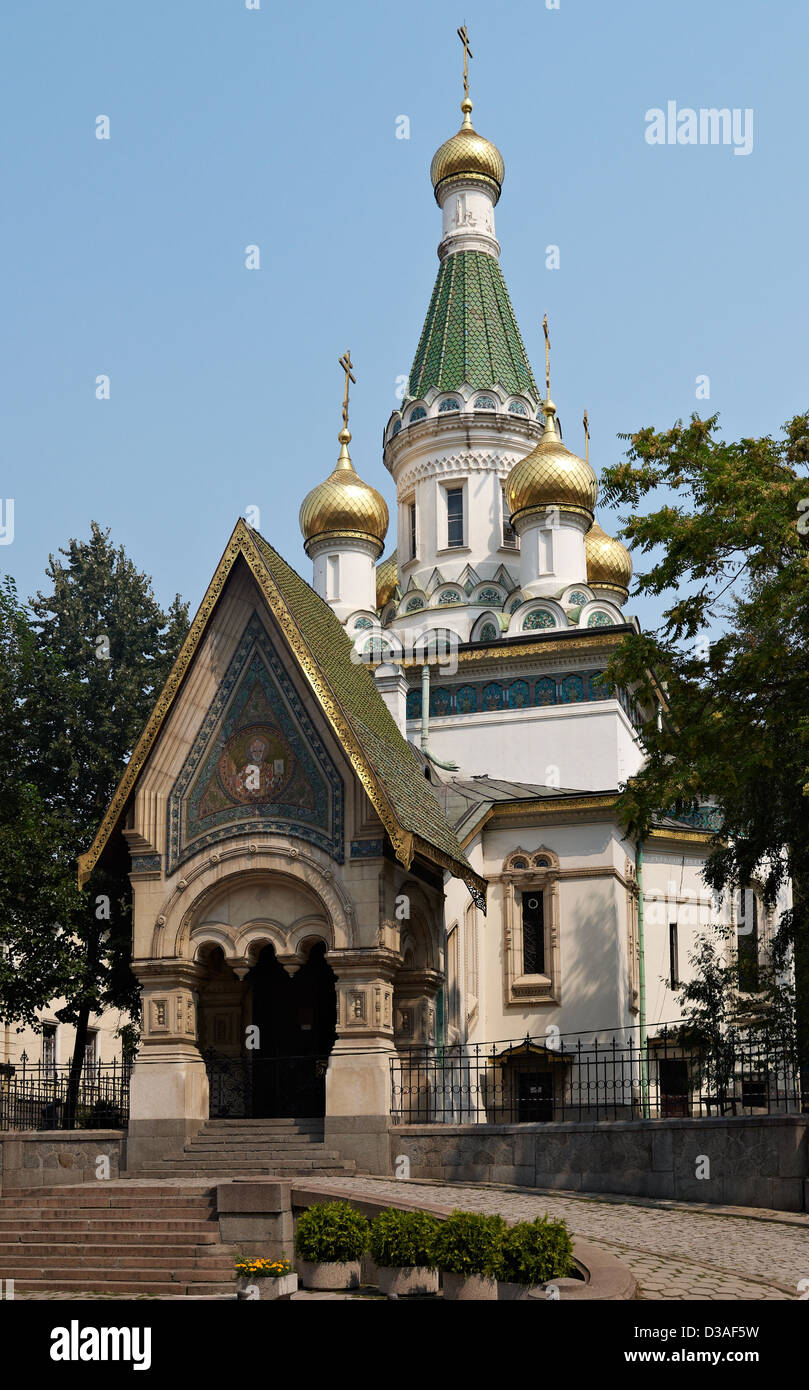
x: 256, y: 764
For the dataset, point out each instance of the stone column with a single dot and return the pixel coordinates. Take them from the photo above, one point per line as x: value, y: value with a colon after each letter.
x: 168, y: 1100
x: 358, y: 1081
x: 414, y: 1012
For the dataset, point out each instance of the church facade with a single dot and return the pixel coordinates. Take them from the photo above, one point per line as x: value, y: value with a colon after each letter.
x: 377, y: 813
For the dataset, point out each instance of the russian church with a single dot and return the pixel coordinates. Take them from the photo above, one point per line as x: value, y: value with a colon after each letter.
x: 376, y: 812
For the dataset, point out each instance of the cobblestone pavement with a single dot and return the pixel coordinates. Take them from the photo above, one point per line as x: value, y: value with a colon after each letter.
x: 675, y: 1252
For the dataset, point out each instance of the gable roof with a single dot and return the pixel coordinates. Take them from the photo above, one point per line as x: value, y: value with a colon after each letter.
x: 347, y: 694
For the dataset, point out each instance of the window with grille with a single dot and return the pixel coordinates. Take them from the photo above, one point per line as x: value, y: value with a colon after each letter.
x: 411, y: 508
x: 509, y: 534
x: 533, y: 932
x: 49, y: 1046
x: 454, y: 516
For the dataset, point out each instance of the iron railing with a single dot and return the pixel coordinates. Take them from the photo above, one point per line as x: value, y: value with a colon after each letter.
x: 559, y: 1077
x: 249, y: 1086
x: 35, y: 1096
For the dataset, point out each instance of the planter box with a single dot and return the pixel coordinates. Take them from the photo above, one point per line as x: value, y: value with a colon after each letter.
x: 510, y: 1293
x: 330, y: 1276
x: 463, y: 1287
x: 402, y: 1280
x: 283, y: 1288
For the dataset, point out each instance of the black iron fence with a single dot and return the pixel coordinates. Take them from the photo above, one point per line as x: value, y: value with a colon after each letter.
x: 249, y: 1086
x: 35, y: 1096
x: 557, y: 1077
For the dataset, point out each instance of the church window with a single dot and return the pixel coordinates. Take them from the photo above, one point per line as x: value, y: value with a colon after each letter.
x: 572, y: 690
x: 533, y: 933
x: 49, y: 1046
x: 454, y: 516
x: 411, y: 516
x: 577, y: 598
x: 600, y: 619
x: 453, y: 979
x: 419, y: 413
x: 471, y: 953
x: 450, y: 596
x: 397, y: 425
x: 487, y: 596
x: 538, y: 617
x: 515, y: 603
x: 546, y: 691
x: 674, y: 956
x: 747, y: 930
x: 377, y: 648
x: 509, y: 534
x: 517, y: 408
x: 488, y: 633
x: 362, y: 623
x: 414, y: 604
x: 519, y: 863
x: 485, y: 403
x: 448, y: 405
x: 333, y: 577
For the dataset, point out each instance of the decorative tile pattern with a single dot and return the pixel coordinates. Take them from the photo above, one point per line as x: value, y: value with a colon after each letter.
x: 545, y: 691
x: 470, y: 334
x: 450, y: 596
x: 146, y: 863
x: 363, y: 623
x: 571, y: 689
x: 366, y: 849
x: 517, y: 408
x: 413, y: 707
x: 447, y: 406
x: 256, y: 764
x: 577, y: 598
x: 493, y: 696
x: 538, y: 617
x: 519, y: 694
x: 466, y: 699
x: 440, y: 701
x: 489, y: 596
x: 488, y: 633
x: 485, y: 403
x: 600, y: 619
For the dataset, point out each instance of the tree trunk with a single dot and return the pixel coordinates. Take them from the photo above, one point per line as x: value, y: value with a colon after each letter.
x: 76, y: 1064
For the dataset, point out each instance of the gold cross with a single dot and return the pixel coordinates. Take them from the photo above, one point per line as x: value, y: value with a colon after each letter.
x: 586, y: 424
x: 467, y: 54
x: 347, y: 364
x: 547, y: 357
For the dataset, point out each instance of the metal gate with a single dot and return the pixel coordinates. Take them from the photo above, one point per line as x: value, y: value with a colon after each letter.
x: 266, y: 1087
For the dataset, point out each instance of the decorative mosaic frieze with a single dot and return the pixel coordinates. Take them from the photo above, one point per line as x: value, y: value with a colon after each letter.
x: 146, y: 863
x: 366, y: 849
x: 516, y: 694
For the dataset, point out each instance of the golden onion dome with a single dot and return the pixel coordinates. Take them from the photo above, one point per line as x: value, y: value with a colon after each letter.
x: 387, y: 577
x: 609, y: 563
x: 551, y: 476
x: 343, y: 507
x: 468, y: 155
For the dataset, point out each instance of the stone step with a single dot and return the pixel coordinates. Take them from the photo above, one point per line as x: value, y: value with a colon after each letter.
x: 123, y: 1225
x: 99, y: 1201
x: 122, y: 1256
x: 138, y: 1273
x: 276, y: 1141
x: 81, y: 1287
x: 264, y: 1122
x: 261, y: 1151
x: 30, y: 1236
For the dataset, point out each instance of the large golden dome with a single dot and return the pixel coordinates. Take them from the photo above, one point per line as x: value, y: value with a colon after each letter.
x: 551, y: 476
x: 343, y: 507
x: 387, y: 577
x: 609, y: 563
x: 468, y: 155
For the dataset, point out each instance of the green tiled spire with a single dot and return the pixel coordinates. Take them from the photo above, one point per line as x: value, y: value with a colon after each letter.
x: 470, y: 333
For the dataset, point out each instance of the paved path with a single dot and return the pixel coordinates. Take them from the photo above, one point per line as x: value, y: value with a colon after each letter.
x: 675, y: 1251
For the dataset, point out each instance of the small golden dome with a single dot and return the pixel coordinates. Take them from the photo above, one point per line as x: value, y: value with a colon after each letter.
x: 551, y: 476
x: 609, y: 563
x: 343, y: 507
x: 387, y: 577
x: 468, y: 155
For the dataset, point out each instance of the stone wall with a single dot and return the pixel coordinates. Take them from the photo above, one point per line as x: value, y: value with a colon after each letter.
x: 761, y: 1161
x: 45, y: 1158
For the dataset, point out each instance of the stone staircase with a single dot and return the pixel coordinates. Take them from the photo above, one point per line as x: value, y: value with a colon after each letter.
x: 244, y: 1148
x: 120, y: 1237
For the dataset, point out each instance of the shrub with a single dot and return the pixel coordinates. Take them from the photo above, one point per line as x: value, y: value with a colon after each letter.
x: 404, y: 1239
x: 535, y: 1251
x: 469, y: 1242
x: 331, y: 1233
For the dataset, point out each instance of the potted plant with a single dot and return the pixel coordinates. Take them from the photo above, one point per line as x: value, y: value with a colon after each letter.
x: 532, y: 1254
x: 467, y: 1251
x: 330, y: 1242
x: 263, y: 1278
x: 401, y: 1244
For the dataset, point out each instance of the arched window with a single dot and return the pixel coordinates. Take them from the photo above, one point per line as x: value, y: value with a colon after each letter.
x: 396, y: 427
x: 538, y: 617
x: 600, y: 619
x: 362, y: 623
x: 419, y: 413
x: 531, y: 955
x: 577, y: 599
x: 414, y: 604
x: 517, y: 408
x: 485, y: 403
x: 533, y: 932
x: 488, y: 633
x: 448, y: 405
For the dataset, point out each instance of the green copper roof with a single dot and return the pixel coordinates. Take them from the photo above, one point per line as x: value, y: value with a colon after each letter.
x: 470, y: 333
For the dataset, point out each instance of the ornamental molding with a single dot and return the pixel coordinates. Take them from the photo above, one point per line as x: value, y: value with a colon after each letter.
x: 458, y: 425
x: 455, y: 465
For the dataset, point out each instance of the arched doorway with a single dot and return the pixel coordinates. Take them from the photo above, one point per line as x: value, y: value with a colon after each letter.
x: 296, y: 1020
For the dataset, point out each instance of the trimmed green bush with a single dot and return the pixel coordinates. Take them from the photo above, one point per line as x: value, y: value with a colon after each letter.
x: 535, y: 1251
x: 404, y: 1239
x: 469, y: 1242
x: 331, y: 1233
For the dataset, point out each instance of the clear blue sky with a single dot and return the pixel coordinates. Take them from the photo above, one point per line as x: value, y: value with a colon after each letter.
x: 276, y: 127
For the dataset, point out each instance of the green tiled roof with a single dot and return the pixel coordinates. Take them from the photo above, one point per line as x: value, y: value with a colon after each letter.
x: 352, y: 684
x: 470, y: 333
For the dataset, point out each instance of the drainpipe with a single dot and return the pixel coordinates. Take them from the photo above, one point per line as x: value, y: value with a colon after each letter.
x: 425, y: 722
x: 644, y: 1063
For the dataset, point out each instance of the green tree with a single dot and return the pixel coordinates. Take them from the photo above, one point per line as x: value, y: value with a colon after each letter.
x: 102, y: 649
x: 724, y: 679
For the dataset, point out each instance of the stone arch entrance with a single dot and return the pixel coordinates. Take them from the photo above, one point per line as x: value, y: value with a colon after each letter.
x: 266, y: 1032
